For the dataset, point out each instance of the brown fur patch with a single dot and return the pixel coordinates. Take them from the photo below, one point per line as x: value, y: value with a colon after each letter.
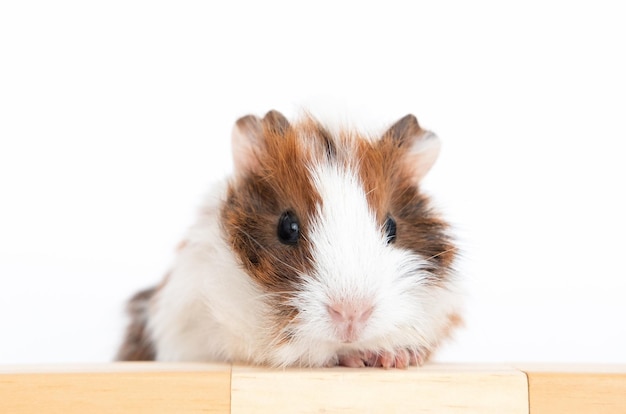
x: 278, y: 181
x: 137, y: 346
x: 391, y: 192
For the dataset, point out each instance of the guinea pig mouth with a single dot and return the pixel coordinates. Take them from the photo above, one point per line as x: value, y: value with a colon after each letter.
x: 349, y: 319
x: 349, y: 335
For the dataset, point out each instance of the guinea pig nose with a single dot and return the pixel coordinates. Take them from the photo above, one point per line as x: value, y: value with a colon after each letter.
x: 343, y: 312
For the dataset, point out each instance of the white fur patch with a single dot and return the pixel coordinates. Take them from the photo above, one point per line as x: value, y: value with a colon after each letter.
x: 209, y: 309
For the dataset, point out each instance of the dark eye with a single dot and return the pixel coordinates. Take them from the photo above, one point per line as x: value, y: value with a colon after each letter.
x: 390, y: 229
x: 288, y: 228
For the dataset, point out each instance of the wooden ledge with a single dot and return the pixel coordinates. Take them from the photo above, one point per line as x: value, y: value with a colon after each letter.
x: 576, y: 388
x: 213, y: 388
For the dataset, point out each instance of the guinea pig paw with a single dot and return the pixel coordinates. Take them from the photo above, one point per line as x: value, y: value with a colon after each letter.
x: 400, y: 358
x: 352, y: 360
x: 333, y: 362
x: 417, y: 357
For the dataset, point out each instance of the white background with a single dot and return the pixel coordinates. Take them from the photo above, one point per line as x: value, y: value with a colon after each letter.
x: 116, y: 116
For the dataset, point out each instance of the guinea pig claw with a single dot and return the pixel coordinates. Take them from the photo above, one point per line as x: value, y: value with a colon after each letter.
x: 352, y: 361
x: 400, y: 358
x: 416, y: 358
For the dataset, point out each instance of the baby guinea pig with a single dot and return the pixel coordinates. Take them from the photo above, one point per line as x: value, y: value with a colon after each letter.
x: 319, y: 250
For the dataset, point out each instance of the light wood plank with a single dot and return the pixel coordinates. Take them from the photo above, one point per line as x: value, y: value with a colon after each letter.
x: 579, y: 389
x: 207, y: 388
x: 116, y: 388
x: 430, y: 389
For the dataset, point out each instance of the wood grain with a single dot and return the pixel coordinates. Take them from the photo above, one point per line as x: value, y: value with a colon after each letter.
x: 430, y: 389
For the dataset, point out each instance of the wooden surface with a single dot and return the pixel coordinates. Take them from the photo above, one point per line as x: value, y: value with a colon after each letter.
x: 213, y: 388
x: 116, y: 388
x: 576, y: 388
x: 431, y: 389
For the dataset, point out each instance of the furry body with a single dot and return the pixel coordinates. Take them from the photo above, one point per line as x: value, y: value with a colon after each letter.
x: 368, y: 280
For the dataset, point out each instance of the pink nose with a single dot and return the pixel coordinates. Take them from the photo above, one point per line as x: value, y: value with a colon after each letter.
x: 350, y: 318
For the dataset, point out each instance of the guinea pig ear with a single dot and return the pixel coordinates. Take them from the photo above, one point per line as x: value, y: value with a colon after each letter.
x: 423, y: 146
x: 246, y: 141
x: 275, y: 122
x: 248, y: 138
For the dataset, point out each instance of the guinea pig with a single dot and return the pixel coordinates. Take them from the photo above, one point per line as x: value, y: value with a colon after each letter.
x: 318, y: 250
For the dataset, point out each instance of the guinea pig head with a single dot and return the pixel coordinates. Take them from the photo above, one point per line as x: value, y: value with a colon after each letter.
x: 334, y: 230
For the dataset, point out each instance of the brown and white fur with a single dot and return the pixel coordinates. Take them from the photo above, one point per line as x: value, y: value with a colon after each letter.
x: 368, y: 281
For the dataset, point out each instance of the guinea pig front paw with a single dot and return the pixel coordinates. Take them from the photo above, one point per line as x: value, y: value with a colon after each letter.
x: 400, y: 358
x: 357, y: 360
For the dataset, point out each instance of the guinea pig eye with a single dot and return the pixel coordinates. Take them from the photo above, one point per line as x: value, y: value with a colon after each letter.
x: 288, y: 229
x: 390, y: 229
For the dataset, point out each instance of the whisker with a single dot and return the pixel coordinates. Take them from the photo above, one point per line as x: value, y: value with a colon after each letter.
x: 278, y: 295
x: 371, y: 191
x: 242, y: 231
x: 440, y: 253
